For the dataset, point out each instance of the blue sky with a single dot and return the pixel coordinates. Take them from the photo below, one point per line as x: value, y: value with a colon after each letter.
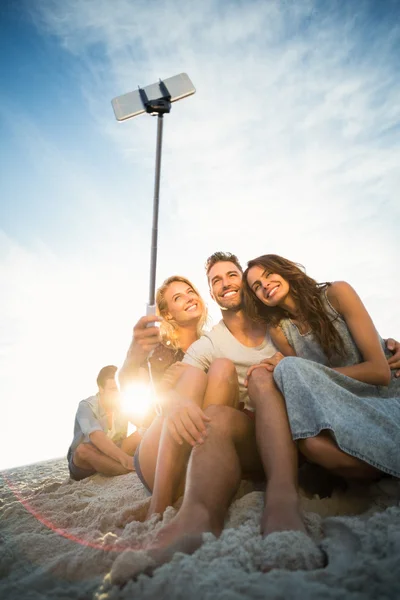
x: 290, y: 145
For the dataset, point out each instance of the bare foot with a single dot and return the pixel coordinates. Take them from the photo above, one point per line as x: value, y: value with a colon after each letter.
x: 131, y: 564
x: 159, y: 506
x: 154, y: 510
x: 192, y: 523
x: 187, y: 543
x: 184, y: 534
x: 282, y: 515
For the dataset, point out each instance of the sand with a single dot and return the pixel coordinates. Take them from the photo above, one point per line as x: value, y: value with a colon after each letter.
x: 73, y: 540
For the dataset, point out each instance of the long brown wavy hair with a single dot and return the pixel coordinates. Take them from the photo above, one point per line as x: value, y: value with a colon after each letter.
x: 307, y: 294
x: 168, y: 329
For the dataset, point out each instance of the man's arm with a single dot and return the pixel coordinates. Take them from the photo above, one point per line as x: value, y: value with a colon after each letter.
x: 107, y: 447
x: 144, y: 340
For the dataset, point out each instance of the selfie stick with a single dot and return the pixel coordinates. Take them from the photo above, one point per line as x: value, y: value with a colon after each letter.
x: 157, y: 107
x: 154, y: 99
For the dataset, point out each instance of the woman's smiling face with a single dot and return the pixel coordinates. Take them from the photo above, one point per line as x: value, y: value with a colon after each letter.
x: 270, y: 288
x: 183, y: 304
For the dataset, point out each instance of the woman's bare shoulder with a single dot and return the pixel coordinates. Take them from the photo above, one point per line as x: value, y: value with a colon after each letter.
x: 341, y: 295
x: 280, y: 340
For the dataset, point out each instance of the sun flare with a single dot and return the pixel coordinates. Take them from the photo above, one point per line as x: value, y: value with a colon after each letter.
x: 138, y: 399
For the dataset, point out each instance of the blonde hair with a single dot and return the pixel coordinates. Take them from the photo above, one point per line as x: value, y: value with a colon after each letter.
x: 168, y: 328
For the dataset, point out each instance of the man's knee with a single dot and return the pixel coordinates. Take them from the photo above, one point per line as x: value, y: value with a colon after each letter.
x: 260, y: 381
x: 223, y: 369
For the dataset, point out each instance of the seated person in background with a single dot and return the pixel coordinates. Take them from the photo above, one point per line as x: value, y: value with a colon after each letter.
x: 100, y: 443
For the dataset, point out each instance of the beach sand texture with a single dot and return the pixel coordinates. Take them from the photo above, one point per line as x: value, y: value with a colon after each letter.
x: 74, y: 540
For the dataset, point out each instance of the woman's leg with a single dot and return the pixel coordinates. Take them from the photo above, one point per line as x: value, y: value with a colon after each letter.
x: 337, y: 411
x: 323, y: 450
x: 148, y: 451
x: 130, y: 443
x: 219, y: 387
x: 164, y: 467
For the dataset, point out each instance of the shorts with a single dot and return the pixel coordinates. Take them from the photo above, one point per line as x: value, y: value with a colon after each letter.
x: 139, y: 471
x: 250, y: 413
x: 77, y: 473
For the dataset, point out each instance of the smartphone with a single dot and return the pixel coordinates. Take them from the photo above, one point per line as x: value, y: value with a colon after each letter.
x: 130, y: 105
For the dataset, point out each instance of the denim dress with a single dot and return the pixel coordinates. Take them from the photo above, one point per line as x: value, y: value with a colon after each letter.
x: 364, y: 419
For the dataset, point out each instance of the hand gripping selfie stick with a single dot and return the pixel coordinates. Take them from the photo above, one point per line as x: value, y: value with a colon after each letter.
x: 154, y: 99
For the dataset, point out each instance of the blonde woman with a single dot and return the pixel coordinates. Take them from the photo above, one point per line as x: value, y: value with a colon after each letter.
x: 161, y: 456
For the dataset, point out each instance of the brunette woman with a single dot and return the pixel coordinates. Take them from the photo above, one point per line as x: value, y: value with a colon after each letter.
x: 342, y: 402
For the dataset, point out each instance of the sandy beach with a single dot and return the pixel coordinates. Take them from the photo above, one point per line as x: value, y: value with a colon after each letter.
x: 75, y: 540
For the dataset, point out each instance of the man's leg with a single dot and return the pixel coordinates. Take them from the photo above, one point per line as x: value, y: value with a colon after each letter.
x: 213, y: 477
x: 219, y: 387
x: 278, y: 453
x: 86, y: 456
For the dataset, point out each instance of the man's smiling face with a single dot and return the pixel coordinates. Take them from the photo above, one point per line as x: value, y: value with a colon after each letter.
x: 225, y: 281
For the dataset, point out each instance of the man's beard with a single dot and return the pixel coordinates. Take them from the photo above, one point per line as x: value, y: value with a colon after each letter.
x: 233, y: 308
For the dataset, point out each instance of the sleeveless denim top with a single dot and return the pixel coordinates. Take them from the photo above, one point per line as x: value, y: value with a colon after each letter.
x: 306, y: 346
